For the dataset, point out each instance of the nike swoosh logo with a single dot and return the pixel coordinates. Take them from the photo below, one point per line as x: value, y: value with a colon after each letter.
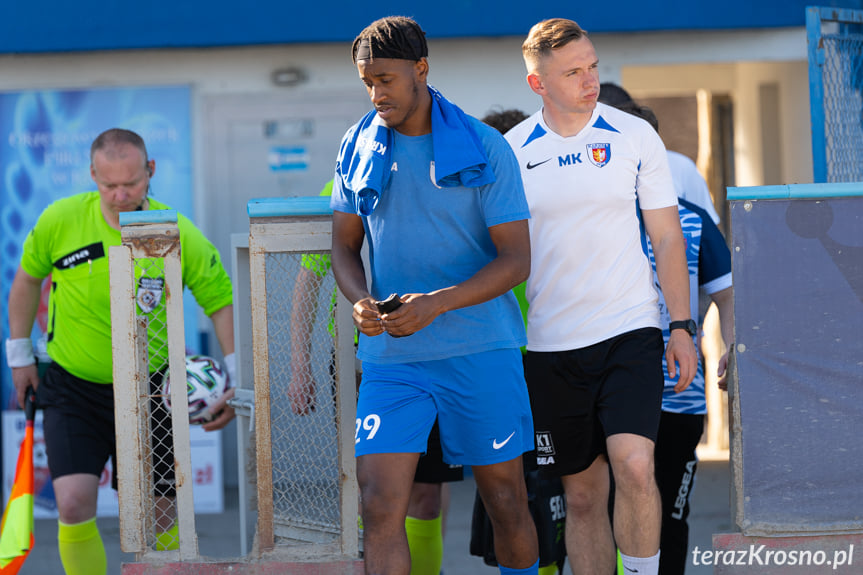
x: 532, y: 166
x: 497, y: 445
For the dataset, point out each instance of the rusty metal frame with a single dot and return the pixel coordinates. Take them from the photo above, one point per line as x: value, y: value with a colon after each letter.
x: 129, y: 341
x: 300, y: 234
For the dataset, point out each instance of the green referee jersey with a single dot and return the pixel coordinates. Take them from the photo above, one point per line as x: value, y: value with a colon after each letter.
x: 70, y: 241
x: 320, y: 263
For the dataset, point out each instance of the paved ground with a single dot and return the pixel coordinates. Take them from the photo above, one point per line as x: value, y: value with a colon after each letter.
x: 710, y: 514
x: 218, y: 535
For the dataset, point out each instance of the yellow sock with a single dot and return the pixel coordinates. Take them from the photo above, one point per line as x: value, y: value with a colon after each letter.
x: 548, y: 569
x: 426, y: 543
x: 81, y: 549
x: 168, y: 540
x: 620, y: 570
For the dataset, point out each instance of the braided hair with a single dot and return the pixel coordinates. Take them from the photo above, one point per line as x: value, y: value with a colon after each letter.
x: 397, y: 37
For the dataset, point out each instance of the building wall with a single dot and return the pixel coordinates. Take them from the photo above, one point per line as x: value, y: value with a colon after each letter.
x: 478, y: 74
x: 740, y: 70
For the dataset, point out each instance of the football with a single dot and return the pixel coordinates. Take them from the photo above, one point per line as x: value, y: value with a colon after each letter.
x: 206, y: 382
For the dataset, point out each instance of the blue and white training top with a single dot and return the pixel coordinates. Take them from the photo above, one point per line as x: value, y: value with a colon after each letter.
x: 709, y: 263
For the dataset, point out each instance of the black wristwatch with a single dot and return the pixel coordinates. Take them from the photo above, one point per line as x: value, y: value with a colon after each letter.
x: 689, y: 325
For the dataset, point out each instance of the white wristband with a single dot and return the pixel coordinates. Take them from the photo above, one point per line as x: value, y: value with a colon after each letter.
x: 19, y: 352
x: 231, y: 368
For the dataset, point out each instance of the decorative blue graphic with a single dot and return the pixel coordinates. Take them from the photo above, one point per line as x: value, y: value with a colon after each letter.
x: 45, y: 139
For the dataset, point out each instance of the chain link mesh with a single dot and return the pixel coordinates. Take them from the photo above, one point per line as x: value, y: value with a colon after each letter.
x: 159, y: 454
x: 301, y: 299
x: 843, y: 104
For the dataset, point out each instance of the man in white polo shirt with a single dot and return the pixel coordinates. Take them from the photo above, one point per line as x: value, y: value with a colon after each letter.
x: 593, y: 175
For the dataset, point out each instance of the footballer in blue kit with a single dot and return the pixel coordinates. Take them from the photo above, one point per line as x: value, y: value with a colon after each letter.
x: 437, y: 196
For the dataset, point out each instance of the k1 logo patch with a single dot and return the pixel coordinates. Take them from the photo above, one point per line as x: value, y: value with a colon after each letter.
x: 599, y: 154
x: 544, y: 445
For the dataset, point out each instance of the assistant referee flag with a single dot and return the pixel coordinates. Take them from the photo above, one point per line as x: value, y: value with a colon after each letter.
x: 16, y: 531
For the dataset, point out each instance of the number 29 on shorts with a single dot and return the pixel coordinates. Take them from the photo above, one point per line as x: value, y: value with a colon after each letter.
x: 370, y: 424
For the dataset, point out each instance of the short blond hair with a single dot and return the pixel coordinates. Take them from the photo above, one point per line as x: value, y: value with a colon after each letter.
x: 549, y: 35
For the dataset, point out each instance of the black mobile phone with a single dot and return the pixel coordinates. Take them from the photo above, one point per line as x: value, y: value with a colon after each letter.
x: 392, y: 303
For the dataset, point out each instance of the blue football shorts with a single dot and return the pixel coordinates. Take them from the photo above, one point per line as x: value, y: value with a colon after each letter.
x: 480, y: 401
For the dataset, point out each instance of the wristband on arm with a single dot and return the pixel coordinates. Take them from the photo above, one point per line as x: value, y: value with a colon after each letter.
x: 230, y: 361
x: 19, y: 352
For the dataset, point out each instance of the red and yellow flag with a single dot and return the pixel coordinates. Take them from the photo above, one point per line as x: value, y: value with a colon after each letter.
x: 16, y: 530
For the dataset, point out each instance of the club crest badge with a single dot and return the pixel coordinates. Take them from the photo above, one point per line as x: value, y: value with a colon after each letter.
x: 599, y: 154
x: 149, y: 293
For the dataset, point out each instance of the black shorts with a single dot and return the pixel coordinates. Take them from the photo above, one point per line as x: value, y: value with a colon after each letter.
x: 582, y: 396
x: 431, y: 467
x: 79, y: 431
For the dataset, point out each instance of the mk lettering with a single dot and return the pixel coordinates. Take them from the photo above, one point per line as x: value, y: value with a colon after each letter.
x: 569, y: 160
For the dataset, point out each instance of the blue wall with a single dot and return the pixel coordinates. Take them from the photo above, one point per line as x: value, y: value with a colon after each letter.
x: 64, y: 25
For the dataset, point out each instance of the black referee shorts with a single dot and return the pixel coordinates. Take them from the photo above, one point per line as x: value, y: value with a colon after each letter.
x: 79, y: 431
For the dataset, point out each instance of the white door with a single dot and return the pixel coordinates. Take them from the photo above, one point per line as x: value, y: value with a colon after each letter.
x: 268, y: 145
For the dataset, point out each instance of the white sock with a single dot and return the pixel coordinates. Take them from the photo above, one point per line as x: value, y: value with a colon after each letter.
x: 640, y: 565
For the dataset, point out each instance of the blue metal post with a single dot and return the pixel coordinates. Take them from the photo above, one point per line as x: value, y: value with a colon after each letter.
x: 816, y: 94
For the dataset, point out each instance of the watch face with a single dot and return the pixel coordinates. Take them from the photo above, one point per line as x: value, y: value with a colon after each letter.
x: 689, y: 325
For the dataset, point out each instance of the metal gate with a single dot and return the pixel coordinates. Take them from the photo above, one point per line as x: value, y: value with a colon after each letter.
x: 835, y: 38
